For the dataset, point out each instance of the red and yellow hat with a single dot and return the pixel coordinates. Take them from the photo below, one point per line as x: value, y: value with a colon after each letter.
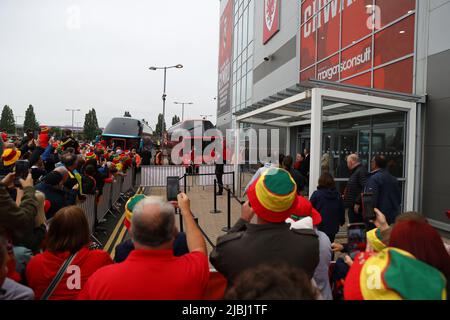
x: 90, y: 155
x: 10, y: 156
x: 273, y: 197
x: 44, y: 129
x: 129, y: 206
x: 393, y: 274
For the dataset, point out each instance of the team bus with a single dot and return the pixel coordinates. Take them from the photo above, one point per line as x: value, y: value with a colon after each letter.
x: 196, y: 128
x: 128, y: 133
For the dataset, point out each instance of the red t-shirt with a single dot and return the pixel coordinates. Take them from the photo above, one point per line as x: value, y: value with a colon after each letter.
x: 43, y: 267
x: 151, y: 275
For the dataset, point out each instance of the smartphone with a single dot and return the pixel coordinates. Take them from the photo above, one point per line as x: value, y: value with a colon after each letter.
x: 357, y: 241
x: 22, y: 168
x: 173, y: 188
x: 368, y: 207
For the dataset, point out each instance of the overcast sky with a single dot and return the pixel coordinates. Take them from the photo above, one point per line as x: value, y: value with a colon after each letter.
x: 58, y: 54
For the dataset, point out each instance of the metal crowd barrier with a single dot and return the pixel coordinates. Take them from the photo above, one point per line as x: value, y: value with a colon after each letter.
x: 112, y: 192
x: 89, y: 210
x: 156, y: 176
x: 208, y: 180
x: 104, y: 202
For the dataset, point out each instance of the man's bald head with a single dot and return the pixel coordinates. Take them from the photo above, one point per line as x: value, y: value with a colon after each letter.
x: 352, y: 161
x: 153, y: 222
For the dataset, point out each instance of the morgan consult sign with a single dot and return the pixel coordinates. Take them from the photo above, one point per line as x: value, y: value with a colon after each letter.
x: 367, y: 43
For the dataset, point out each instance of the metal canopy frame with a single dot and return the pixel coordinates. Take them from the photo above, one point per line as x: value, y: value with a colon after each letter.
x: 315, y: 106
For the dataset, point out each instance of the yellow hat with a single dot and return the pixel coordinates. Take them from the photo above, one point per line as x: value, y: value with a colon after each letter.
x: 10, y: 156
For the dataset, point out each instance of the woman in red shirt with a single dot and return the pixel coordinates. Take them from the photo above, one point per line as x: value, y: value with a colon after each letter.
x: 68, y: 234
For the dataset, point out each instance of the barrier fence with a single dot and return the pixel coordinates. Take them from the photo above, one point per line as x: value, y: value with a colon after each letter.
x: 97, y: 208
x: 156, y: 176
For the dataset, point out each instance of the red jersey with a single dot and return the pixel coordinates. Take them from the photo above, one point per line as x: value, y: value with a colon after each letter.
x: 43, y: 267
x: 151, y: 275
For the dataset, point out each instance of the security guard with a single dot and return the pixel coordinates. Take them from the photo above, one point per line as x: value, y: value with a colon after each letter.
x: 273, y: 198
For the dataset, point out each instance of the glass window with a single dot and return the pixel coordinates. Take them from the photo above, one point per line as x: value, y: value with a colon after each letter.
x: 238, y: 93
x: 395, y: 77
x: 392, y: 10
x: 245, y: 29
x: 390, y: 143
x: 394, y: 42
x: 249, y: 84
x: 250, y: 21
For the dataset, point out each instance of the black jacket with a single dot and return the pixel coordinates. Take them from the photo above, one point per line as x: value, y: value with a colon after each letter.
x: 331, y: 206
x: 355, y: 186
x: 299, y: 179
x: 58, y: 198
x: 249, y: 245
x: 386, y: 191
x: 304, y: 167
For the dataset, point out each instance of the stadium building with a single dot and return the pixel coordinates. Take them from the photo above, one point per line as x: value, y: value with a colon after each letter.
x: 344, y: 76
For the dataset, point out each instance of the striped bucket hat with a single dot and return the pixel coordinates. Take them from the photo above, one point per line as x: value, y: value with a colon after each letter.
x: 129, y: 206
x: 273, y: 197
x: 393, y: 274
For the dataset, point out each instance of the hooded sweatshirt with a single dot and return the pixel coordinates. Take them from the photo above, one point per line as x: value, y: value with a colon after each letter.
x: 331, y: 207
x: 43, y: 267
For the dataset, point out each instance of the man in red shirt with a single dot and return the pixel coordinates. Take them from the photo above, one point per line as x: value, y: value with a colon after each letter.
x: 151, y: 271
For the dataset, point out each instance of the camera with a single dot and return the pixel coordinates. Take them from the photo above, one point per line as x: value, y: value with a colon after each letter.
x: 368, y: 207
x: 172, y: 188
x: 21, y: 170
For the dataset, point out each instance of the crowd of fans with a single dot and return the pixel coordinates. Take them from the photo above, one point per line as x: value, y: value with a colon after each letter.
x: 281, y: 247
x: 42, y: 179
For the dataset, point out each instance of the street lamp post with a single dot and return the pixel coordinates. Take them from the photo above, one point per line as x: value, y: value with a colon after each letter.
x: 73, y: 112
x: 182, y: 108
x: 205, y: 116
x: 17, y: 121
x: 178, y: 66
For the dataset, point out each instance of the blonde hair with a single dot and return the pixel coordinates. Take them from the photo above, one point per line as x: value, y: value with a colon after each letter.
x: 41, y: 202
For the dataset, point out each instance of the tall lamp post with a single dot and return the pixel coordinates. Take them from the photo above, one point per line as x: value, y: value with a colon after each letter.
x: 182, y: 108
x: 178, y: 66
x: 73, y: 112
x: 17, y: 121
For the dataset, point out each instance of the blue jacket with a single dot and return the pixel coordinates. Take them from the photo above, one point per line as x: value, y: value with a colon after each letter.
x: 387, y: 196
x: 331, y: 206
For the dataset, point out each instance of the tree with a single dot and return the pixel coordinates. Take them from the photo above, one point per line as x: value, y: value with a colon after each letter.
x: 7, y: 123
x: 30, y: 122
x: 175, y: 119
x: 91, y: 128
x: 161, y: 124
x: 127, y: 114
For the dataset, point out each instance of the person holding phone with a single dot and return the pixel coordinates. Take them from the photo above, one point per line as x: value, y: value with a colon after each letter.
x: 171, y: 278
x: 18, y: 219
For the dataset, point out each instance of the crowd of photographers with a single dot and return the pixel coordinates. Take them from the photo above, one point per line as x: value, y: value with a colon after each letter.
x: 282, y: 246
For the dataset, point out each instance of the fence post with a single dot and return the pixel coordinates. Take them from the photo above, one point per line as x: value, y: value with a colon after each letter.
x: 215, y: 198
x: 234, y: 188
x: 228, y: 227
x: 185, y: 181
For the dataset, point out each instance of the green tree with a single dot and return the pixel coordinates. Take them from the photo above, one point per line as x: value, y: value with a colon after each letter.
x: 160, y: 126
x: 30, y: 122
x: 91, y: 128
x: 127, y: 114
x: 175, y: 119
x: 7, y: 122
